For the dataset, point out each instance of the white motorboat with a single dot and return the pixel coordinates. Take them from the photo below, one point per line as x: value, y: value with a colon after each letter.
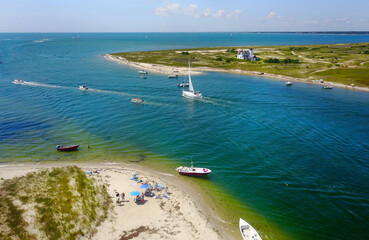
x: 191, y: 171
x: 248, y: 232
x: 83, y: 88
x: 173, y: 76
x: 183, y: 84
x: 18, y: 81
x: 137, y: 100
x: 142, y: 72
x: 191, y: 91
x: 288, y: 83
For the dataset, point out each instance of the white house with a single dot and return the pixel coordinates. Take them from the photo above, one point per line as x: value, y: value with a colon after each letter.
x: 247, y: 54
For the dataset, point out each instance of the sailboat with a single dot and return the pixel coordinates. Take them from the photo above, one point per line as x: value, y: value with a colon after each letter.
x: 191, y: 91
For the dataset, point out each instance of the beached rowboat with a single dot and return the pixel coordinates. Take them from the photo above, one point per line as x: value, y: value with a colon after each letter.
x: 67, y: 148
x: 247, y: 231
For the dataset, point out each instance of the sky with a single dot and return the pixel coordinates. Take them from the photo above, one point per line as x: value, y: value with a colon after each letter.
x: 183, y: 15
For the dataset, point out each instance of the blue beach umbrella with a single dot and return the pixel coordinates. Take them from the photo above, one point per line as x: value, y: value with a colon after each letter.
x: 134, y: 193
x: 144, y: 186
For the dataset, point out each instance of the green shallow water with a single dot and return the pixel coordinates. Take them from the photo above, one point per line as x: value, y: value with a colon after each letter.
x: 291, y: 161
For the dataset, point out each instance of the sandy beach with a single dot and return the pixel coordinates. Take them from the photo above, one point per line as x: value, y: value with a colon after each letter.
x: 167, y: 70
x: 178, y: 214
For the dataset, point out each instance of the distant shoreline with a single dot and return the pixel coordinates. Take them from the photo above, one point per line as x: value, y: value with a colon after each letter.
x: 182, y: 71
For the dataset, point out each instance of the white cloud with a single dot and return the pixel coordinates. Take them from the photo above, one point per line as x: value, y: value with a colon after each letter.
x: 219, y: 14
x: 271, y: 15
x: 172, y: 8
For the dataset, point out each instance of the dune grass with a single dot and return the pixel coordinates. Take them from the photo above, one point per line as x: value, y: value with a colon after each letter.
x: 58, y: 203
x: 344, y: 63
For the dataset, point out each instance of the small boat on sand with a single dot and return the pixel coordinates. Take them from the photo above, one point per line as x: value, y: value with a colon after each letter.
x: 137, y: 100
x: 191, y: 171
x: 142, y: 72
x: 288, y: 83
x: 83, y: 88
x: 248, y: 232
x: 18, y: 81
x: 67, y: 148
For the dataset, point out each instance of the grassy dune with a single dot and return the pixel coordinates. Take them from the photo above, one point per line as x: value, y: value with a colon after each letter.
x: 58, y: 203
x: 343, y: 63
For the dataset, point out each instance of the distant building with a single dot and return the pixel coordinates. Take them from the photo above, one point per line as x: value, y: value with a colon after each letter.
x: 247, y: 54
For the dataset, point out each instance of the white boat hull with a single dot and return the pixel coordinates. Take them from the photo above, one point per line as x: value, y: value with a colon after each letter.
x: 247, y: 231
x: 82, y: 88
x: 189, y: 94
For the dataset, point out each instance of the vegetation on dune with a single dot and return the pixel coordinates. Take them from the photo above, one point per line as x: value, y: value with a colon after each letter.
x: 58, y: 203
x: 344, y: 63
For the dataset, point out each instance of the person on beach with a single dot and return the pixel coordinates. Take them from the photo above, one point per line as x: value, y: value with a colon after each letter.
x: 123, y: 195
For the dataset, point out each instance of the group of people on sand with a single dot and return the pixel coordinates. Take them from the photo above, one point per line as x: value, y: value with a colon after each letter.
x: 120, y: 197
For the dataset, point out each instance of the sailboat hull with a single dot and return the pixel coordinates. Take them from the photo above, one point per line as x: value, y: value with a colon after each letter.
x: 188, y: 94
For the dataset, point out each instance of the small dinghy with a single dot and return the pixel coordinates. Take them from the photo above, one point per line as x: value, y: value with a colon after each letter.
x: 288, y: 83
x: 137, y: 100
x: 143, y: 76
x: 18, y: 81
x: 247, y: 231
x: 191, y: 171
x: 184, y: 84
x: 83, y: 88
x: 327, y: 87
x: 142, y: 72
x: 173, y: 76
x: 67, y: 148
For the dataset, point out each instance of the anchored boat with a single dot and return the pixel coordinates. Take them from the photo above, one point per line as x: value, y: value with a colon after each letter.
x: 67, y: 148
x: 247, y: 231
x: 191, y: 171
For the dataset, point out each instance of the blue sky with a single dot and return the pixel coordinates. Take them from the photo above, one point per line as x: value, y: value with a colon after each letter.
x: 182, y: 15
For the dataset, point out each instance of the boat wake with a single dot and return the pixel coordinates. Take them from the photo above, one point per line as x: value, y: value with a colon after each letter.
x: 36, y: 84
x: 41, y: 41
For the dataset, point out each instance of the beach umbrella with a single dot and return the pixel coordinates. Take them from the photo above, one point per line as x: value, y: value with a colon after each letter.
x: 144, y: 186
x: 135, y: 193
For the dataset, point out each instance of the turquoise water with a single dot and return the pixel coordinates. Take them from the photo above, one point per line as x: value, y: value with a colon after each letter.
x: 297, y: 156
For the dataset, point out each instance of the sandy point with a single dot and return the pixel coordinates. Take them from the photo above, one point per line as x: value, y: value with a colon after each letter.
x: 178, y: 213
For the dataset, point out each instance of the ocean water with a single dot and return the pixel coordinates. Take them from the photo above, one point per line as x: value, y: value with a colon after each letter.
x: 293, y: 158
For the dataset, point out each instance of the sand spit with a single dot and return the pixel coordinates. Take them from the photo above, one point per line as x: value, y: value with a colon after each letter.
x: 181, y: 214
x: 166, y: 70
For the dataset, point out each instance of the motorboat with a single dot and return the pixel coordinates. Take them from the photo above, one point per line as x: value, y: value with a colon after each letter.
x: 247, y: 231
x: 191, y: 93
x: 183, y: 84
x: 142, y: 72
x: 67, y: 148
x: 288, y: 83
x: 191, y: 171
x: 173, y: 76
x: 18, y: 81
x: 83, y: 87
x: 327, y: 87
x: 137, y: 100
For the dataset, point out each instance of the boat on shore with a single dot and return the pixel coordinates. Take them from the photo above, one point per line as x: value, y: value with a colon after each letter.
x: 18, y: 81
x: 247, y: 231
x: 142, y: 72
x: 137, y: 100
x: 191, y: 93
x: 191, y: 171
x: 83, y: 87
x: 67, y: 148
x: 288, y: 83
x: 327, y: 87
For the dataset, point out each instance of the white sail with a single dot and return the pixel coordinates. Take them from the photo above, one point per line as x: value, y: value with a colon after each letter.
x: 189, y: 79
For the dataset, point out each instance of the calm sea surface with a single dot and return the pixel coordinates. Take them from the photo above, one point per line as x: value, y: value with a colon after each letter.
x: 297, y: 157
